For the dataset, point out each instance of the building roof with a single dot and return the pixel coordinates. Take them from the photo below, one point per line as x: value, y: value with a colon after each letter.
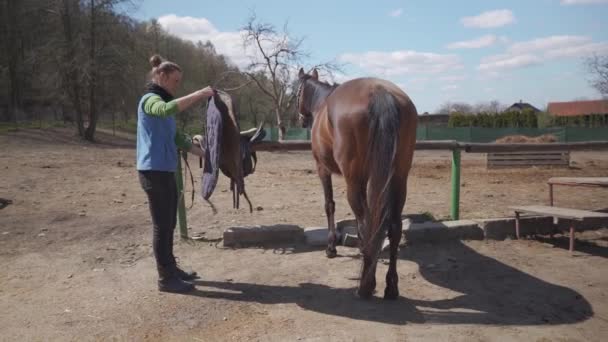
x: 520, y: 106
x: 575, y: 108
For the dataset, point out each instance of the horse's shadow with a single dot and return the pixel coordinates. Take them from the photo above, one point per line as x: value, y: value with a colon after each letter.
x: 488, y: 292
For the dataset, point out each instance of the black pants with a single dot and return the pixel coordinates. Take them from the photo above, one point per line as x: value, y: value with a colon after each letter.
x: 161, y: 189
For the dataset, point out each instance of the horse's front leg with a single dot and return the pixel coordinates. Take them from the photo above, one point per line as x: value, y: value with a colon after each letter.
x: 330, y: 208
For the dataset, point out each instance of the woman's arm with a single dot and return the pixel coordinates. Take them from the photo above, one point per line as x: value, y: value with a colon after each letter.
x: 155, y: 105
x: 184, y: 142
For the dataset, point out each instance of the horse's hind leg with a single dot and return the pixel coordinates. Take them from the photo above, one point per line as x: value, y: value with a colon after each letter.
x: 356, y: 194
x: 394, y: 235
x: 392, y: 278
x: 330, y: 208
x: 370, y: 250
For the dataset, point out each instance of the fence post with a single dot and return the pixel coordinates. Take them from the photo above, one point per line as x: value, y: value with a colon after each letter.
x: 181, y: 206
x: 455, y: 205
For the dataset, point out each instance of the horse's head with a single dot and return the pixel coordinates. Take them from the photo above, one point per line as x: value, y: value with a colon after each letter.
x: 304, y: 97
x: 311, y: 94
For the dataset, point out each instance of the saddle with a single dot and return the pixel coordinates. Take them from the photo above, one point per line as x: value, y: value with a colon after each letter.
x: 227, y: 149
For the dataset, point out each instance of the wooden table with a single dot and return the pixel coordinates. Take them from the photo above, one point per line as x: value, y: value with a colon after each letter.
x: 592, y: 182
x: 563, y: 213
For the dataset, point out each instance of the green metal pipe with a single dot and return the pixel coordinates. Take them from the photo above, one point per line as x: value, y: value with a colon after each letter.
x: 181, y: 206
x: 455, y: 205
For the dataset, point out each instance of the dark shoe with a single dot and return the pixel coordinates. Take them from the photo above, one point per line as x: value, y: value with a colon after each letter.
x: 174, y: 285
x: 184, y: 275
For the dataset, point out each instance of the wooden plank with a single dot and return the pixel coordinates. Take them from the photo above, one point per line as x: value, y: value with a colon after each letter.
x: 566, y: 213
x: 529, y: 162
x: 523, y: 157
x: 528, y: 158
x: 493, y: 147
x: 304, y: 145
x: 582, y: 181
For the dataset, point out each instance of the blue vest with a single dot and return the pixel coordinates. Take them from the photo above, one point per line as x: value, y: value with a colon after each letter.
x: 156, y: 149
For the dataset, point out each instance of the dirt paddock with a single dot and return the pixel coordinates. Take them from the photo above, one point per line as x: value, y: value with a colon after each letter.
x: 76, y: 261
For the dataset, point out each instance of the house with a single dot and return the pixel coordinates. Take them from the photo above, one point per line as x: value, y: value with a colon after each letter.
x: 521, y: 106
x: 592, y: 113
x: 578, y: 108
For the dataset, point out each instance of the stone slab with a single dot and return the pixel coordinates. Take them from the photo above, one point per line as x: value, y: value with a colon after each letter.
x: 501, y: 228
x: 442, y: 231
x: 256, y: 235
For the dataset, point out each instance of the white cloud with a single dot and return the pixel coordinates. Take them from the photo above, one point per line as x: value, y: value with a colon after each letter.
x: 483, y: 41
x: 402, y: 62
x: 578, y: 51
x: 548, y: 43
x: 450, y: 87
x: 396, y: 13
x: 540, y: 50
x: 583, y: 2
x: 507, y: 61
x: 489, y: 19
x: 453, y: 78
x: 228, y: 43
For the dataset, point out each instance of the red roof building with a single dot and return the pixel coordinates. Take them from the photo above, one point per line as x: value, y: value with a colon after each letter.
x: 578, y: 108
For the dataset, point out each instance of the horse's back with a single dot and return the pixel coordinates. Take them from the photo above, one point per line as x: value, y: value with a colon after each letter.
x: 347, y: 115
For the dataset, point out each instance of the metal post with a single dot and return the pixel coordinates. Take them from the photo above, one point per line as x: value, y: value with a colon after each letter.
x: 455, y: 206
x: 571, y: 239
x: 517, y: 225
x: 181, y: 206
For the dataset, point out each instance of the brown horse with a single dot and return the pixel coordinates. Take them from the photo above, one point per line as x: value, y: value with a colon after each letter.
x: 364, y: 130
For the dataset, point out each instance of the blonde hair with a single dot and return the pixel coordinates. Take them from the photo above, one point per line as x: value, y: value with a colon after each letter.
x: 159, y: 65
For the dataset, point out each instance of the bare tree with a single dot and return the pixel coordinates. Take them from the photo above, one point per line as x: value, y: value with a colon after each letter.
x: 275, y: 58
x: 597, y: 66
x: 493, y: 106
x: 10, y: 20
x: 455, y: 107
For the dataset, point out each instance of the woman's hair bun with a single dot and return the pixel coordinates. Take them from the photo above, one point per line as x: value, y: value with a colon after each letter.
x: 155, y: 61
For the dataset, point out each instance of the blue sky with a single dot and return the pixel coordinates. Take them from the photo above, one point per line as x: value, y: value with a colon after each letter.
x: 436, y: 51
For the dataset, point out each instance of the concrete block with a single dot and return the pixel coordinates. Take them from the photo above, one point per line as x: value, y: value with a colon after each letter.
x: 442, y: 231
x: 501, y: 228
x: 589, y: 224
x: 415, y: 218
x: 316, y: 236
x: 348, y: 224
x: 350, y: 240
x: 256, y: 235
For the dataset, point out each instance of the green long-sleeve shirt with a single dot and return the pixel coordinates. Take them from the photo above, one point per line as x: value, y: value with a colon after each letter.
x: 155, y: 106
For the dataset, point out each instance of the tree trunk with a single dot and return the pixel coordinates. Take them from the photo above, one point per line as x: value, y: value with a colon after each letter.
x: 72, y: 84
x: 282, y: 128
x: 90, y: 132
x: 13, y: 58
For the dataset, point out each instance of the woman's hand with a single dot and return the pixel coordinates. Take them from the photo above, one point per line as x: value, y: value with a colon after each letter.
x: 207, y: 92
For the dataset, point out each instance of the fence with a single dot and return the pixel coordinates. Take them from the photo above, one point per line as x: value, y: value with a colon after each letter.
x: 473, y: 134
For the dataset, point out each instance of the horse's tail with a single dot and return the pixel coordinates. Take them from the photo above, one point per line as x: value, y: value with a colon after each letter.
x: 384, y: 124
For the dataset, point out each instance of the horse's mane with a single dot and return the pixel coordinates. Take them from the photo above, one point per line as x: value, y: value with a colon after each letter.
x: 321, y: 90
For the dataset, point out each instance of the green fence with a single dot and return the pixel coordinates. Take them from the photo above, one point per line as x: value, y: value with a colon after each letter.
x: 474, y: 134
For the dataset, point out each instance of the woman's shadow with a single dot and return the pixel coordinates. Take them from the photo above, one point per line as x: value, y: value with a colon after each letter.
x: 490, y: 292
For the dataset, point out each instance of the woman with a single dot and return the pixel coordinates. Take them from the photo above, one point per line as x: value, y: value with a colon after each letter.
x: 157, y: 144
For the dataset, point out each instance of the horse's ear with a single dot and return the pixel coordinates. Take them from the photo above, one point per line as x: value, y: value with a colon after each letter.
x: 301, y: 73
x: 315, y: 74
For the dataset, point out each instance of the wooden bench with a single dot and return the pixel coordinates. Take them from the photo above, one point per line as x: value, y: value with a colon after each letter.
x: 528, y: 158
x: 563, y: 213
x: 590, y: 182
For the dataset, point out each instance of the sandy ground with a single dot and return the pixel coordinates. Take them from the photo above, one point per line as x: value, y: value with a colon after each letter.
x: 76, y: 261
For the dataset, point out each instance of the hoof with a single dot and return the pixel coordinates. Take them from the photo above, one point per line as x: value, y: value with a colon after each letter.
x: 391, y: 294
x: 331, y: 253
